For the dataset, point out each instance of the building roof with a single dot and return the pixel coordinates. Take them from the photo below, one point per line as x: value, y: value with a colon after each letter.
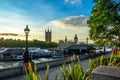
x: 13, y: 51
x: 80, y: 46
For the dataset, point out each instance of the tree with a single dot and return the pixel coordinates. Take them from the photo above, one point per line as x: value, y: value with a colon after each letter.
x: 21, y: 43
x: 104, y: 23
x: 52, y: 44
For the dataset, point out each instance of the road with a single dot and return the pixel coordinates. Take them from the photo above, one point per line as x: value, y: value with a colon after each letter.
x: 52, y: 72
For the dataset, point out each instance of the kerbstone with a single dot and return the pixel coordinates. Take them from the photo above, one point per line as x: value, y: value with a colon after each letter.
x: 106, y: 73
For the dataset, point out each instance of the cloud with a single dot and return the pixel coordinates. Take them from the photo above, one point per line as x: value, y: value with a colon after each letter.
x: 8, y: 34
x: 73, y: 1
x: 70, y: 26
x: 13, y: 26
x: 71, y: 22
x: 14, y: 20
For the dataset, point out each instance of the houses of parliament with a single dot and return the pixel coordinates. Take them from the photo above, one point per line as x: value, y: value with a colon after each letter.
x: 62, y: 43
x: 65, y: 43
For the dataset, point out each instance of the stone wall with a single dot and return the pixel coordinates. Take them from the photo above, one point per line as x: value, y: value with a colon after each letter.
x: 106, y: 73
x: 10, y: 72
x: 52, y: 63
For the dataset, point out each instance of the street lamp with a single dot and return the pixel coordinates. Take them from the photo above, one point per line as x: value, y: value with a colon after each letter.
x: 87, y: 46
x: 26, y: 56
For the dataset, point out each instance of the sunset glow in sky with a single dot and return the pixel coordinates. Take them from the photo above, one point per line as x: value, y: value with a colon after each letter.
x: 63, y: 17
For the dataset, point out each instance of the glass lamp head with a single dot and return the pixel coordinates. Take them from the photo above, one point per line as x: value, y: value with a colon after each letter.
x: 27, y: 30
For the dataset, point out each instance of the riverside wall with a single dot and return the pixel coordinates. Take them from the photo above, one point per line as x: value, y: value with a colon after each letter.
x: 21, y: 69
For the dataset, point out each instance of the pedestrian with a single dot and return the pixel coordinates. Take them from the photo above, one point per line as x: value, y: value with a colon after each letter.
x: 115, y: 51
x: 74, y: 57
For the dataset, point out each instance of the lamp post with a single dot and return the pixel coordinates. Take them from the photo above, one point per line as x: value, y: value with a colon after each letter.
x: 26, y: 56
x: 87, y: 46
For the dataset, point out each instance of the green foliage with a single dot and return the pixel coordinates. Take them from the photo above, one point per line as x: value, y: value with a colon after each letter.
x: 105, y: 22
x: 31, y: 75
x: 73, y: 72
x: 21, y: 43
x: 47, y: 73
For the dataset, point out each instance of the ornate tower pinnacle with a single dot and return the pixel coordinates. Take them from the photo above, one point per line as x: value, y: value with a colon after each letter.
x: 75, y: 39
x: 65, y: 39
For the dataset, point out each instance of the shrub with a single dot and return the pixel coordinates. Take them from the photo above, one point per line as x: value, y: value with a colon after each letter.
x: 31, y: 74
x: 73, y: 72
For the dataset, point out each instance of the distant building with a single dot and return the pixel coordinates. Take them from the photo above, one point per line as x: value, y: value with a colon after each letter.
x: 76, y: 49
x: 75, y: 39
x: 48, y: 35
x: 65, y: 39
x: 65, y: 43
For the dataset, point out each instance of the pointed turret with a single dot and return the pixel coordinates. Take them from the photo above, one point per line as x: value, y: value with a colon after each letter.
x: 65, y: 39
x: 75, y: 39
x: 48, y: 29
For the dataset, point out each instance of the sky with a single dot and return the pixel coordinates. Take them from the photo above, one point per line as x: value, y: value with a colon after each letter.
x: 63, y: 17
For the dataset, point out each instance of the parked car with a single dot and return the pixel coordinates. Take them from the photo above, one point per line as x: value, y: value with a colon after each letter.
x: 108, y: 49
x: 103, y: 50
x: 96, y: 51
x: 18, y: 57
